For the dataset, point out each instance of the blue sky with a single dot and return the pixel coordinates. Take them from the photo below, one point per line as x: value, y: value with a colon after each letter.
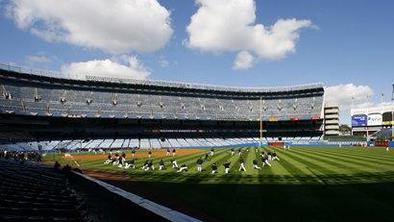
x: 349, y: 42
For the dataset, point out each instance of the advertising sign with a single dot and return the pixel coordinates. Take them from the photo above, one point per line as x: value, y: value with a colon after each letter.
x: 359, y: 120
x: 375, y: 119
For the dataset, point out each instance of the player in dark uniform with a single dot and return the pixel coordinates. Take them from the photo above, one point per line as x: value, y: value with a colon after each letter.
x: 232, y: 152
x: 173, y: 152
x: 242, y: 165
x: 130, y: 163
x: 239, y: 152
x: 255, y: 165
x: 199, y: 164
x: 265, y: 161
x: 214, y: 168
x: 212, y: 152
x: 145, y: 166
x: 174, y: 163
x: 206, y: 158
x: 161, y: 164
x: 183, y: 168
x: 149, y: 154
x: 269, y: 154
x: 109, y: 159
x: 168, y: 153
x: 133, y: 152
x: 151, y: 166
x: 226, y: 167
x: 275, y: 156
x: 115, y: 160
x: 122, y: 159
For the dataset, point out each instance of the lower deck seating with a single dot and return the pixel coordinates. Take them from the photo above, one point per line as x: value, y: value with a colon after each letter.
x: 32, y: 192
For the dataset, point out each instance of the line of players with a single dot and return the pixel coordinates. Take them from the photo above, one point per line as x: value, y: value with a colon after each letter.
x: 120, y: 161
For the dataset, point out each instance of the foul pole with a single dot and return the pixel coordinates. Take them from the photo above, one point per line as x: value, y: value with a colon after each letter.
x: 261, y: 124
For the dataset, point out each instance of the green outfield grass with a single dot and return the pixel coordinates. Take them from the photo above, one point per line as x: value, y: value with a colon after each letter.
x: 296, y: 166
x: 307, y: 184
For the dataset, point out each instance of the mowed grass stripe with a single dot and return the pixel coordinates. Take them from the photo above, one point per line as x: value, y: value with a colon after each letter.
x: 299, y: 173
x: 299, y: 166
x: 345, y: 175
x: 347, y: 159
x: 265, y: 173
x: 322, y: 163
x: 369, y: 159
x: 342, y: 175
x: 367, y: 152
x: 266, y: 170
x: 247, y: 176
x: 379, y: 152
x: 235, y: 166
x: 215, y: 158
x: 277, y: 167
x: 365, y: 164
x: 311, y: 163
x: 364, y: 157
x: 248, y: 162
x: 343, y: 163
x: 220, y: 162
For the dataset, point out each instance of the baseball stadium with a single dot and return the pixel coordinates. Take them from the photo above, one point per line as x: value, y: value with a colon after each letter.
x: 198, y: 110
x: 115, y: 150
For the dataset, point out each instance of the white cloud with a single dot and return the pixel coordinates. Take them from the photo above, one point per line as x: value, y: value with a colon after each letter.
x: 348, y: 95
x: 244, y: 60
x: 34, y: 59
x: 163, y: 62
x: 230, y: 25
x: 132, y: 69
x: 116, y: 26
